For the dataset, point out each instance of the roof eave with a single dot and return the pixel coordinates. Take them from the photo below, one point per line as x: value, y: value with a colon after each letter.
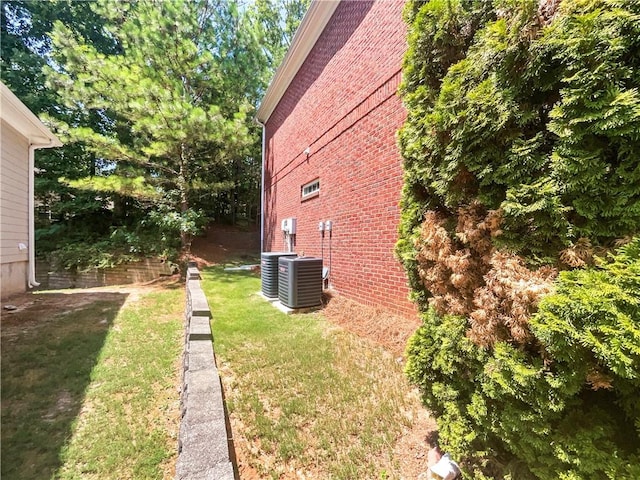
x: 16, y: 114
x: 309, y: 30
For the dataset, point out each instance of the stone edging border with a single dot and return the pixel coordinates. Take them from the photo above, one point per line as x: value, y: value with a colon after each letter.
x: 204, y: 441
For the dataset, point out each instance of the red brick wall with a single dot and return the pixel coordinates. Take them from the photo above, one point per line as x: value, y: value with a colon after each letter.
x: 343, y: 106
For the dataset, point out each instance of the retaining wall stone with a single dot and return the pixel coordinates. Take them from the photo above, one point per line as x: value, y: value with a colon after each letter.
x: 204, y: 441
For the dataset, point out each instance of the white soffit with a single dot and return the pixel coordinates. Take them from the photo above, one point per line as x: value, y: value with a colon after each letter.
x: 16, y: 114
x: 312, y: 25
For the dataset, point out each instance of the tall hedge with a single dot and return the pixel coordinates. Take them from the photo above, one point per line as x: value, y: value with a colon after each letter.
x: 521, y: 210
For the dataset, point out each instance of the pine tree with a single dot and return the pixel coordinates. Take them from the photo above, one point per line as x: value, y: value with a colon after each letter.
x: 165, y: 115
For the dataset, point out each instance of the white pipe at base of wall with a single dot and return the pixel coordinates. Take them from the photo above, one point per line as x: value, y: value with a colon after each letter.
x: 31, y: 268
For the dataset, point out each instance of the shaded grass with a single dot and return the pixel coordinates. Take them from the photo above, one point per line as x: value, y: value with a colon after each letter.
x: 310, y: 397
x: 110, y: 407
x: 46, y: 367
x: 129, y: 424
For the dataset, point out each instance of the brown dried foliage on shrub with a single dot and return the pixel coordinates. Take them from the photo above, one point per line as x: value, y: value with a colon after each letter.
x: 547, y: 11
x: 467, y: 276
x: 579, y: 254
x: 599, y: 380
x: 507, y: 300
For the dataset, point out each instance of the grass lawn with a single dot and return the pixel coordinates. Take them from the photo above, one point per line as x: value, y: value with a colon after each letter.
x: 306, y: 399
x: 90, y: 391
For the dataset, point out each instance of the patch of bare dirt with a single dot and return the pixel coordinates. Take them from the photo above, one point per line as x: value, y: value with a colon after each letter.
x: 28, y: 310
x: 64, y: 403
x: 412, y: 447
x: 220, y: 242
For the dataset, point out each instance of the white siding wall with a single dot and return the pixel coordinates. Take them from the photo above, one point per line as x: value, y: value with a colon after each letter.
x: 14, y: 209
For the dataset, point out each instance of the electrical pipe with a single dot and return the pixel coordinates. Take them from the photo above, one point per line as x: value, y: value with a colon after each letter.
x: 262, y: 154
x: 328, y: 226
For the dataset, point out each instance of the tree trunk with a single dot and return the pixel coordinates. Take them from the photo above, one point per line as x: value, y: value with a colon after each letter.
x: 185, y: 237
x: 235, y: 194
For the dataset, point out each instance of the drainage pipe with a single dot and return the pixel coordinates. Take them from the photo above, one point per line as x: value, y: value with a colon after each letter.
x: 32, y: 235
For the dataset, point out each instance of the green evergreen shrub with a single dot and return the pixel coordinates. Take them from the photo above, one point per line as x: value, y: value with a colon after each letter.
x: 592, y: 324
x: 568, y: 409
x: 528, y: 110
x: 538, y: 119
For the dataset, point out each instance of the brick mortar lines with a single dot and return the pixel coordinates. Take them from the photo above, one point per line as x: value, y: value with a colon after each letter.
x: 369, y: 104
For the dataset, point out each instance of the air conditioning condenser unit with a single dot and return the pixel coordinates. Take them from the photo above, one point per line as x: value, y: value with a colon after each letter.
x: 300, y: 281
x: 269, y: 272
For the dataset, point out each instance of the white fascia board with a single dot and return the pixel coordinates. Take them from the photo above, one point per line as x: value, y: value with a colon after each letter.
x: 309, y: 30
x: 16, y: 114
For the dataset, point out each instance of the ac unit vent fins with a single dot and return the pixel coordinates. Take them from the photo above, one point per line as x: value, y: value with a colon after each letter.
x: 300, y: 281
x: 269, y: 272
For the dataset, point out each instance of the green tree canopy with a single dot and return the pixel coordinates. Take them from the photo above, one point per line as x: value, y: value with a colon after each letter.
x: 165, y: 113
x: 125, y: 86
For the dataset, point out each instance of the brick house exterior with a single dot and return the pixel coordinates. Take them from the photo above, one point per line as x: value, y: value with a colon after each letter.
x: 331, y: 115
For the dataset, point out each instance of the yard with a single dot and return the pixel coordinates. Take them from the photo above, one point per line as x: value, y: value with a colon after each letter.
x: 90, y: 386
x: 90, y: 383
x: 307, y: 398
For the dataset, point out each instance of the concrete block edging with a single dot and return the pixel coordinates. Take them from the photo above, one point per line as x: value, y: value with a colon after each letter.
x: 204, y: 441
